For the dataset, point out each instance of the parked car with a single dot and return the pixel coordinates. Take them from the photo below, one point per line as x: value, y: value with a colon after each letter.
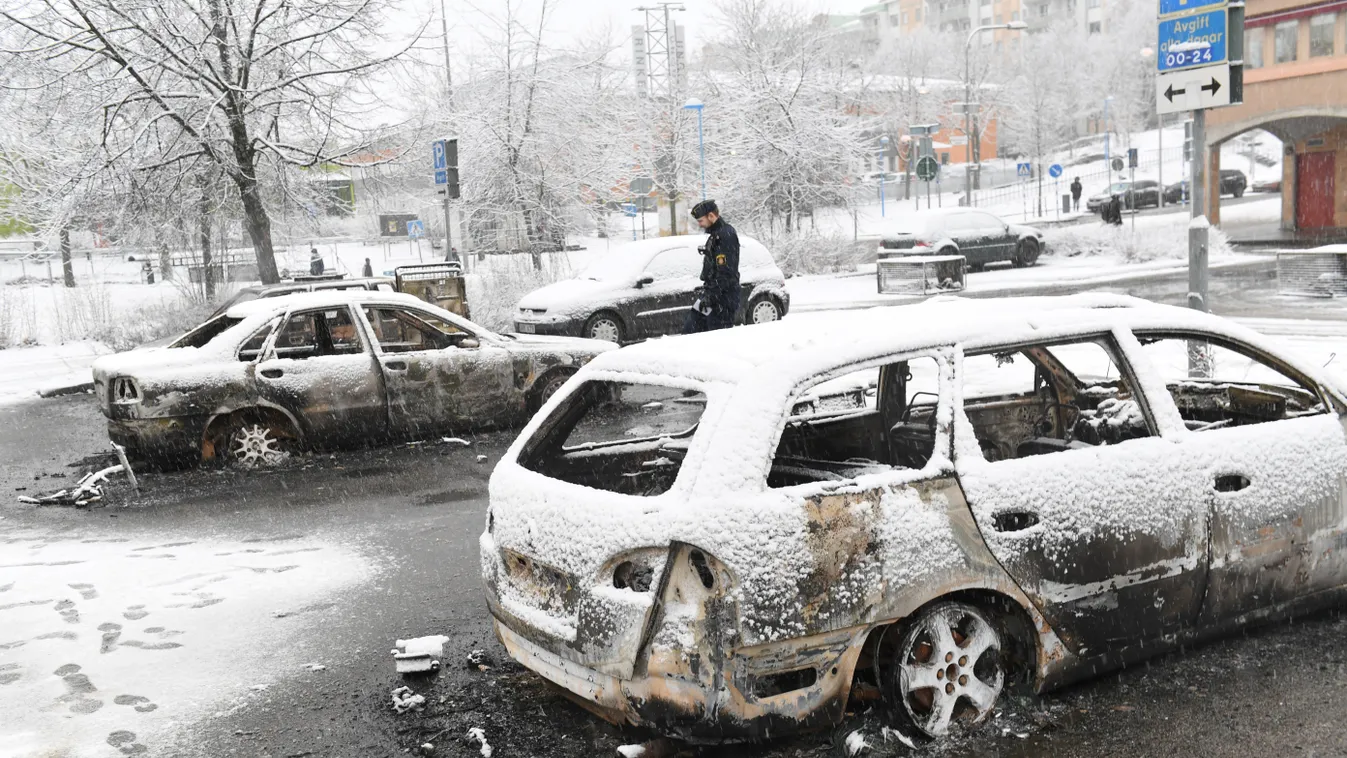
x: 719, y: 536
x: 1233, y: 182
x: 1143, y: 193
x: 325, y: 370
x: 1268, y: 185
x: 979, y: 236
x: 645, y: 289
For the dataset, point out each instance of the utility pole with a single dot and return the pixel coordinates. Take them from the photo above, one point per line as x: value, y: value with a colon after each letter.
x: 449, y: 103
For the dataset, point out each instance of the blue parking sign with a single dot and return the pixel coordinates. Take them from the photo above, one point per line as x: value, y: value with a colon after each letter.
x: 1197, y: 40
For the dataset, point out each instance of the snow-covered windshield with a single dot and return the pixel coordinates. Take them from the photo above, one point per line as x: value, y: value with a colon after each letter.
x: 620, y: 266
x: 208, y: 331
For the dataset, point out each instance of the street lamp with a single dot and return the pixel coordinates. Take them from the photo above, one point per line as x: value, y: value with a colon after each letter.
x: 968, y: 101
x: 696, y: 105
x: 883, y: 167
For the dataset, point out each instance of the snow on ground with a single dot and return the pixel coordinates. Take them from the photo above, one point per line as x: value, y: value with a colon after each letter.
x: 26, y: 371
x: 117, y: 642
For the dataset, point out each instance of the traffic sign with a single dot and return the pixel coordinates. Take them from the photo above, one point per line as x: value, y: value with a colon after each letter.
x: 1024, y: 170
x: 1055, y: 170
x: 1132, y: 157
x: 437, y: 155
x: 442, y: 176
x: 416, y: 229
x: 1171, y: 7
x: 1196, y: 40
x: 1191, y: 89
x: 928, y: 169
x: 630, y: 210
x: 1117, y: 164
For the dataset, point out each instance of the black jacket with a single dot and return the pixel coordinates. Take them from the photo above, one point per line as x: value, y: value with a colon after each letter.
x: 720, y: 264
x: 1076, y: 189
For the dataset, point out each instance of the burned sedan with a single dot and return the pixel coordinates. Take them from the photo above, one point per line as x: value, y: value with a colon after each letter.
x: 720, y: 536
x: 324, y: 370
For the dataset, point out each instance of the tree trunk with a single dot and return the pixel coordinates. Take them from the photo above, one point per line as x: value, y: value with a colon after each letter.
x: 207, y: 276
x: 257, y: 221
x: 67, y: 268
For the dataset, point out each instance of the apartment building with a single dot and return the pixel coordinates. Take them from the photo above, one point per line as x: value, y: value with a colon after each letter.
x: 887, y: 21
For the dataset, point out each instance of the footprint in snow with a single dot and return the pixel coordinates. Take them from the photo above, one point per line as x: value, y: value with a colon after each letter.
x: 203, y: 600
x: 78, y: 690
x: 135, y: 613
x: 140, y: 703
x: 111, y: 634
x: 67, y: 610
x: 125, y: 742
x: 86, y: 591
x: 9, y: 673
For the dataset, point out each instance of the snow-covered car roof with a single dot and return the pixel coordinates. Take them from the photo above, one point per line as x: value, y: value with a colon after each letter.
x: 319, y: 299
x: 801, y: 347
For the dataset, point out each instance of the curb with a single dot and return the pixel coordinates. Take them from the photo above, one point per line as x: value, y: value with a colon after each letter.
x: 62, y: 390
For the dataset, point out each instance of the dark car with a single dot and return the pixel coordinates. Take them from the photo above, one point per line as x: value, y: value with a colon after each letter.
x: 978, y: 236
x: 1233, y: 182
x: 320, y: 370
x: 1142, y: 193
x: 645, y: 289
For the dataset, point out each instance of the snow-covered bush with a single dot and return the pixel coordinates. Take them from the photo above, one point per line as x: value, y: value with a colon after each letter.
x: 496, y: 285
x: 1150, y: 243
x: 815, y: 253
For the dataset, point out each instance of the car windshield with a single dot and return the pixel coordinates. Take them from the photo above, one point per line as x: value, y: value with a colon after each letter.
x: 622, y: 265
x: 208, y: 331
x: 1119, y: 187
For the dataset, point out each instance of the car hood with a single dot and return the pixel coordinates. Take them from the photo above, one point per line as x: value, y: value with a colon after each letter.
x: 568, y: 294
x: 1022, y: 230
x: 562, y: 344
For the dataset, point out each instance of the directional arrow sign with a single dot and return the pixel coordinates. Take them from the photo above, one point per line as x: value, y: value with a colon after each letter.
x: 1191, y: 89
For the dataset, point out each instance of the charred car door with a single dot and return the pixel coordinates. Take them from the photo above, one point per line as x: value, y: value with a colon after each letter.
x: 440, y: 376
x: 321, y: 371
x: 1097, y: 519
x: 1272, y: 453
x: 671, y: 279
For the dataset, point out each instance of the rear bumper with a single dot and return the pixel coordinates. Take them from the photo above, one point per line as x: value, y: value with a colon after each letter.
x: 564, y: 328
x: 718, y: 705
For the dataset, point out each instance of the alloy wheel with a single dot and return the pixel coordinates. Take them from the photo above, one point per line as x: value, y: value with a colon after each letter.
x: 950, y: 669
x: 765, y: 312
x: 255, y: 445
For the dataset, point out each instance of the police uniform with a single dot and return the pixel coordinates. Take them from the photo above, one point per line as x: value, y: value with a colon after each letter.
x: 720, y: 275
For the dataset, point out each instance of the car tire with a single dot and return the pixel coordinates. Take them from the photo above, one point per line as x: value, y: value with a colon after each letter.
x: 547, y: 386
x: 605, y: 326
x: 1238, y: 193
x: 949, y: 667
x: 763, y: 310
x: 1026, y: 253
x: 253, y: 443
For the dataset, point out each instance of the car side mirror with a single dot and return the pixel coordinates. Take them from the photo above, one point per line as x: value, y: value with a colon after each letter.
x: 466, y: 342
x: 644, y: 281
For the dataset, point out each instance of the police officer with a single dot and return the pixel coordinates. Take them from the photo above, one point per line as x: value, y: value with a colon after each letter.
x: 718, y: 301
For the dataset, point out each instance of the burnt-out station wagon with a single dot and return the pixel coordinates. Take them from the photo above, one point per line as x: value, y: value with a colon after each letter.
x: 719, y: 536
x: 324, y: 370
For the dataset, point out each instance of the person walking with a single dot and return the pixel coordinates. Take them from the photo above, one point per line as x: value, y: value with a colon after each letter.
x: 1076, y: 190
x: 315, y: 262
x: 1113, y: 211
x: 368, y: 270
x: 718, y: 298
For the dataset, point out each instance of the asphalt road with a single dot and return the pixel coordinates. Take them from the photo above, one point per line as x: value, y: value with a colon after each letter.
x: 414, y: 514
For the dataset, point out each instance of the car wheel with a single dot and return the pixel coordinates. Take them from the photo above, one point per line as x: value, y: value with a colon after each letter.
x: 1026, y: 253
x: 604, y: 326
x: 949, y: 668
x: 255, y: 444
x: 763, y: 310
x: 1239, y: 193
x: 548, y: 386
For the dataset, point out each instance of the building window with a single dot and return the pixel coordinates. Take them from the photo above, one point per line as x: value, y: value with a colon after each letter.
x: 904, y: 17
x: 1014, y: 15
x: 1253, y: 47
x: 998, y: 19
x: 893, y: 20
x: 1096, y: 27
x: 1091, y: 3
x: 916, y: 15
x: 1285, y: 38
x: 1043, y: 9
x: 1322, y: 28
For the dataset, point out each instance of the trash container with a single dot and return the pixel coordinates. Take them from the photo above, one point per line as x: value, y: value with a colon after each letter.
x: 1066, y: 203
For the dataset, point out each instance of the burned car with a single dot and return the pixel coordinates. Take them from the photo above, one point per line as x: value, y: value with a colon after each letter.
x: 324, y: 370
x: 719, y: 536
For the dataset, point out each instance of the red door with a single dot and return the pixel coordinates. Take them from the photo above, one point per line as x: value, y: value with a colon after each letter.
x: 1314, y: 190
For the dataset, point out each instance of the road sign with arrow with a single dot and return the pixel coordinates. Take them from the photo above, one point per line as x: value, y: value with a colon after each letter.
x: 1191, y: 89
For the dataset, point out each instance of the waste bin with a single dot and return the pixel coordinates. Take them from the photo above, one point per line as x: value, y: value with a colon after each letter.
x: 1066, y: 203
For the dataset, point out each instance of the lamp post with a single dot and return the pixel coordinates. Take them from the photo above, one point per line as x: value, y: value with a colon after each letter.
x: 968, y: 101
x: 883, y: 167
x: 696, y: 105
x: 1108, y: 156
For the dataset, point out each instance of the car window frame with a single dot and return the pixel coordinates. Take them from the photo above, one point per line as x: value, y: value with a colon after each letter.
x: 274, y: 324
x: 941, y: 454
x: 1331, y: 400
x: 357, y: 320
x: 645, y: 270
x: 417, y: 312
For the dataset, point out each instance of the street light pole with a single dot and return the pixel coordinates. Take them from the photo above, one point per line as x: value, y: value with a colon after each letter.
x: 697, y: 105
x: 883, y: 167
x: 968, y: 102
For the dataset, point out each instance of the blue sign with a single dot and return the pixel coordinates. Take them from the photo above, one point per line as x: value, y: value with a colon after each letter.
x: 442, y: 177
x: 1168, y: 7
x: 416, y: 229
x: 1055, y: 170
x: 1023, y: 170
x: 437, y: 154
x: 630, y: 209
x: 1189, y: 41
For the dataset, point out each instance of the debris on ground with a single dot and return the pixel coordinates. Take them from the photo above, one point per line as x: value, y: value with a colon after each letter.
x: 453, y: 440
x: 476, y: 736
x: 427, y: 748
x: 420, y: 654
x: 315, y: 667
x: 903, y: 739
x: 405, y: 700
x: 855, y: 744
x: 478, y: 659
x: 481, y: 459
x: 89, y: 490
x: 657, y: 748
